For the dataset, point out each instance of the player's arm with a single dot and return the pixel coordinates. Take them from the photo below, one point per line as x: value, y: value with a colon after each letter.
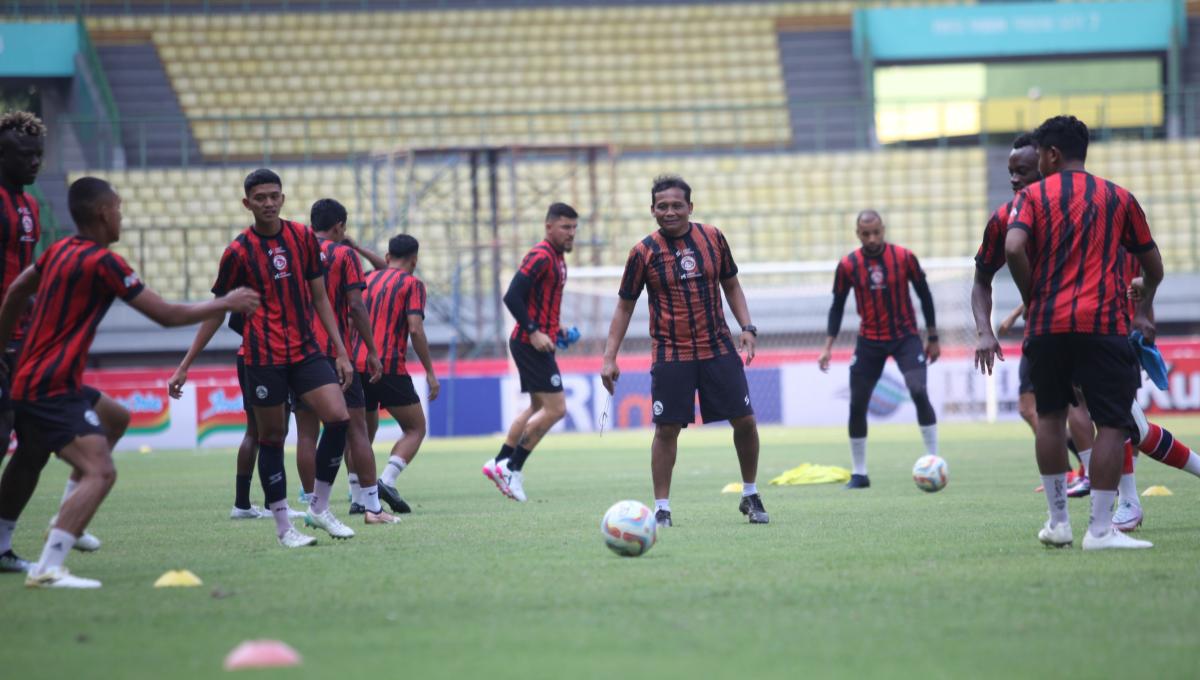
x: 1018, y: 262
x: 516, y: 298
x: 1152, y: 275
x: 833, y: 326
x: 170, y: 314
x: 1011, y: 320
x: 987, y: 349
x: 208, y: 328
x: 741, y: 312
x: 609, y: 373
x: 416, y: 333
x: 369, y: 255
x: 362, y: 323
x: 325, y: 314
x: 932, y: 349
x: 16, y: 301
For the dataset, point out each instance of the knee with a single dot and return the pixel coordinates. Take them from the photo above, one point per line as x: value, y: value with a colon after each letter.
x: 667, y: 431
x: 1027, y: 409
x: 555, y: 411
x: 744, y: 425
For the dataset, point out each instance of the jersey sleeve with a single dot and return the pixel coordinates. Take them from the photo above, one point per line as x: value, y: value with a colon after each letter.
x: 990, y: 256
x: 414, y: 303
x: 535, y: 264
x: 40, y: 263
x: 1135, y: 235
x: 311, y: 257
x: 119, y: 277
x: 729, y: 268
x: 1024, y: 213
x: 352, y: 271
x: 229, y: 272
x: 633, y: 280
x: 912, y: 267
x: 841, y: 279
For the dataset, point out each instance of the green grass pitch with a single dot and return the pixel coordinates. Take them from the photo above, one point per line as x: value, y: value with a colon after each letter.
x: 889, y: 582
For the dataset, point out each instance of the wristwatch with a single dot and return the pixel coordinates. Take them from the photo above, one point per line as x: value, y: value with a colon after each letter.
x: 751, y: 329
x: 531, y: 328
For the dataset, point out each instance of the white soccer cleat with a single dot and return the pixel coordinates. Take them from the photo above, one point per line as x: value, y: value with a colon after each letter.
x: 1129, y: 516
x: 57, y: 577
x: 1113, y: 539
x: 86, y: 543
x: 295, y: 539
x: 332, y: 525
x: 252, y: 512
x: 491, y: 470
x: 515, y: 481
x: 1056, y: 535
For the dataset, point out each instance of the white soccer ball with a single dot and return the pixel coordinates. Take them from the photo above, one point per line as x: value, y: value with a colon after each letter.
x: 629, y: 528
x: 930, y: 473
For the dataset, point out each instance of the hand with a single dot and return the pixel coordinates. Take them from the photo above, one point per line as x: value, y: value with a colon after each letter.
x: 176, y: 383
x: 541, y: 342
x: 986, y: 352
x: 610, y: 374
x: 747, y: 344
x: 434, y: 386
x: 242, y: 300
x: 1143, y: 323
x: 345, y: 372
x: 374, y: 368
x: 823, y: 360
x: 1007, y: 324
x: 346, y: 240
x: 932, y: 351
x: 1137, y: 288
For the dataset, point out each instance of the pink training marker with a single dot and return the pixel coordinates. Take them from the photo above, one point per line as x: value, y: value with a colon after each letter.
x: 261, y: 654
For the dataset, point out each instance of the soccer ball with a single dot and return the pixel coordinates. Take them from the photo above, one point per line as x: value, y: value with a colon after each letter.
x: 930, y: 473
x: 629, y: 528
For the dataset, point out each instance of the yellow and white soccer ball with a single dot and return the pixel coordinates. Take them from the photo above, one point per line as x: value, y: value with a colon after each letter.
x: 930, y: 473
x: 629, y: 528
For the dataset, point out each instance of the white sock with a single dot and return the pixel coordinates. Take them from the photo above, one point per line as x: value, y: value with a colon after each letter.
x: 662, y: 504
x: 858, y: 454
x: 1193, y: 464
x: 58, y: 545
x: 1056, y: 497
x: 370, y: 498
x: 1102, y: 512
x: 929, y: 434
x: 355, y: 489
x: 279, y: 510
x: 318, y: 502
x: 7, y: 527
x: 70, y: 489
x: 392, y: 470
x: 749, y: 489
x: 1127, y: 490
x: 1085, y: 457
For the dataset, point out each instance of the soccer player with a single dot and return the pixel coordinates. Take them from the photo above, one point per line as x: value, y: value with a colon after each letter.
x: 879, y: 273
x: 685, y: 266
x: 76, y: 280
x: 1063, y: 247
x: 534, y: 298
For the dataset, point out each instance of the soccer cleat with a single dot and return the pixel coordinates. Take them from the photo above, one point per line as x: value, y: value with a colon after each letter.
x: 303, y: 498
x: 389, y: 495
x: 1082, y: 487
x: 295, y: 539
x: 858, y: 482
x: 86, y: 543
x: 515, y: 481
x: 1056, y: 535
x: 491, y: 470
x: 57, y: 577
x: 252, y: 512
x: 1128, y: 516
x: 10, y: 563
x: 381, y: 517
x: 1113, y: 539
x: 663, y: 517
x: 357, y: 508
x: 752, y: 507
x: 332, y: 525
x: 295, y: 514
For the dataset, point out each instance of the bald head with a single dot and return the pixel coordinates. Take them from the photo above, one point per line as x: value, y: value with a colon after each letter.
x: 869, y: 216
x: 869, y: 230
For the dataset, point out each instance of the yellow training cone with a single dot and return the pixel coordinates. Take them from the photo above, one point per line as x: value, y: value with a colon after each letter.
x: 174, y: 578
x: 732, y: 487
x: 808, y: 473
x: 1157, y: 491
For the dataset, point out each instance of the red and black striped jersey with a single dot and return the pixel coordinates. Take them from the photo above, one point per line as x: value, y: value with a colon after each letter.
x: 279, y: 267
x: 20, y: 230
x: 683, y: 278
x: 79, y: 279
x: 880, y: 284
x: 392, y: 295
x: 547, y: 270
x: 990, y: 256
x: 1077, y: 225
x: 343, y: 276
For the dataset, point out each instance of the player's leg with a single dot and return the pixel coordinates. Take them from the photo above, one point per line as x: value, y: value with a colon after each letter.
x: 865, y: 368
x: 1160, y: 444
x: 1026, y: 403
x: 308, y: 429
x: 315, y: 380
x: 491, y: 468
x: 268, y: 393
x: 1129, y: 514
x: 360, y: 458
x: 406, y: 409
x: 17, y: 484
x: 725, y: 395
x: 1082, y: 433
x: 115, y: 419
x: 551, y: 407
x: 246, y: 456
x: 663, y: 451
x: 1050, y: 363
x: 673, y: 386
x: 910, y: 357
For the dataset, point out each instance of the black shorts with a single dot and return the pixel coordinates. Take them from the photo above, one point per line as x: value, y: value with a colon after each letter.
x: 244, y: 387
x: 392, y: 390
x: 353, y: 394
x: 724, y: 394
x: 271, y: 385
x: 871, y: 355
x: 52, y: 423
x: 1103, y: 366
x: 538, y: 370
x: 10, y: 362
x: 1025, y: 382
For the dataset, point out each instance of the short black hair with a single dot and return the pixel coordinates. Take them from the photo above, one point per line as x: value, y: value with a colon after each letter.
x: 326, y: 213
x: 403, y: 245
x: 85, y: 196
x: 261, y: 176
x: 1068, y: 133
x: 558, y: 210
x: 1023, y: 140
x: 664, y: 182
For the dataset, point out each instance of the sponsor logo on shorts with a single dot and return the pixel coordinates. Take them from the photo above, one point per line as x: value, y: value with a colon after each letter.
x: 556, y: 380
x: 658, y: 408
x: 261, y: 391
x: 853, y: 359
x: 920, y: 357
x: 91, y: 418
x: 747, y: 400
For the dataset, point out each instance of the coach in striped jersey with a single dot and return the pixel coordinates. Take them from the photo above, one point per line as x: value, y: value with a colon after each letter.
x: 685, y: 266
x: 879, y: 273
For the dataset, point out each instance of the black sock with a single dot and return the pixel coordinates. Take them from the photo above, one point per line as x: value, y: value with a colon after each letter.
x: 241, y: 499
x: 506, y: 452
x: 270, y: 472
x: 517, y: 461
x: 330, y: 449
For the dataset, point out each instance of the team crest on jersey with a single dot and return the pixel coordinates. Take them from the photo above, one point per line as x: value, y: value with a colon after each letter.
x: 280, y: 262
x: 687, y: 264
x: 26, y: 225
x: 878, y: 278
